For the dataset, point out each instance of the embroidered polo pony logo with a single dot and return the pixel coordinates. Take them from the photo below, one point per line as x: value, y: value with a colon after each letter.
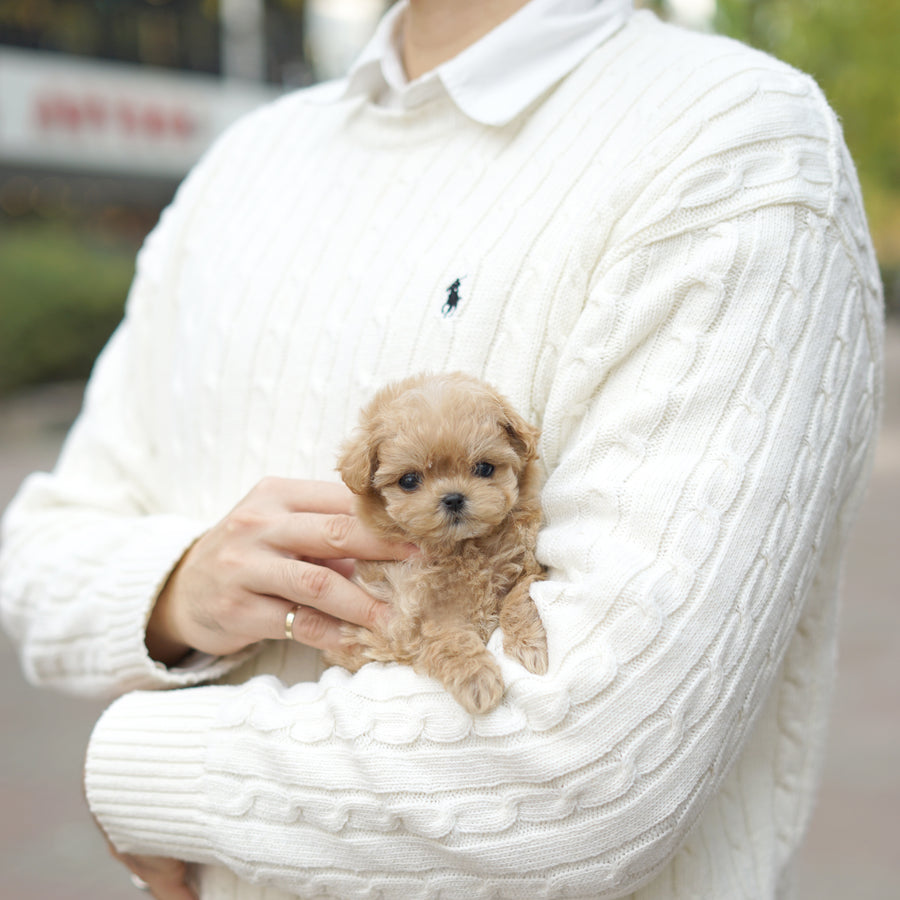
x: 453, y: 299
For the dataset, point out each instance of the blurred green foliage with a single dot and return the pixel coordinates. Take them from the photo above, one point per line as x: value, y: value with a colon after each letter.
x: 851, y: 48
x: 62, y: 296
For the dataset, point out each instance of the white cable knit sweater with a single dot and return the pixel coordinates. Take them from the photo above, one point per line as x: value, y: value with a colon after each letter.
x: 664, y: 263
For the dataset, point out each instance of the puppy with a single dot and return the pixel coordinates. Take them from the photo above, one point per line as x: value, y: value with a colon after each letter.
x: 444, y: 462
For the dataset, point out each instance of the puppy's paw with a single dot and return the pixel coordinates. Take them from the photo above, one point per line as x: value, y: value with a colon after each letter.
x: 352, y: 654
x: 481, y: 691
x: 530, y: 650
x: 524, y: 638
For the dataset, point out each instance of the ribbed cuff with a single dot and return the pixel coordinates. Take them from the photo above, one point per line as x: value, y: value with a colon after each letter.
x: 135, y: 582
x: 144, y: 772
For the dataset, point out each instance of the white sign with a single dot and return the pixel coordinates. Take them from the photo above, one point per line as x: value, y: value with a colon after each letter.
x: 66, y: 112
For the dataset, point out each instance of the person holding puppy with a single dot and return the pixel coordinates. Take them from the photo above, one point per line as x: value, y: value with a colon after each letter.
x: 652, y: 242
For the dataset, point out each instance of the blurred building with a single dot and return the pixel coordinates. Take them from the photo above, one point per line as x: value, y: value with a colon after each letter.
x: 109, y: 102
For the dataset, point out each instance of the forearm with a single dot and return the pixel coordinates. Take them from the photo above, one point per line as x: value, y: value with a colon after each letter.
x: 79, y: 586
x: 86, y: 548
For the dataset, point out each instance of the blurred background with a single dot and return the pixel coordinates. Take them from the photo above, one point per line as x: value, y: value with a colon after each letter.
x: 105, y: 105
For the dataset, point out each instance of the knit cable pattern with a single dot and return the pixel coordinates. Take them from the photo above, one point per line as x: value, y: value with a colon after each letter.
x: 668, y: 271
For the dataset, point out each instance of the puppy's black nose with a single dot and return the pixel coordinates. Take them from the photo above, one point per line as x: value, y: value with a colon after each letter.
x: 453, y: 502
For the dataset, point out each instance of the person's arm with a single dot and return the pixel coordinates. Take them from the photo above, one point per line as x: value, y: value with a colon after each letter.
x: 99, y: 588
x: 107, y: 582
x: 706, y: 436
x: 86, y: 548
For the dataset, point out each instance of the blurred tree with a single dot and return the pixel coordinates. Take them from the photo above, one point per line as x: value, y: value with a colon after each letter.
x: 850, y: 47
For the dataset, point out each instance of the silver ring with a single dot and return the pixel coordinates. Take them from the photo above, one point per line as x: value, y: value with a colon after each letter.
x: 139, y: 882
x: 289, y: 624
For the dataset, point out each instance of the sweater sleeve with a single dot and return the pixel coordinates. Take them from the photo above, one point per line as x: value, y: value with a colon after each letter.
x: 706, y: 437
x: 87, y: 547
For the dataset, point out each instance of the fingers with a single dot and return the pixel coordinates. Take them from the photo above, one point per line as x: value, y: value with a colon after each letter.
x: 322, y: 589
x: 335, y: 536
x: 298, y: 495
x: 313, y: 628
x: 164, y: 878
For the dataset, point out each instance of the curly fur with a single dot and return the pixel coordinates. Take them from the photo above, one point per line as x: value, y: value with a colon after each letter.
x: 444, y: 462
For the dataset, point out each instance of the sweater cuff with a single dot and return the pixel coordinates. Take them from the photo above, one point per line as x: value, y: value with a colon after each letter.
x: 144, y: 773
x: 139, y: 577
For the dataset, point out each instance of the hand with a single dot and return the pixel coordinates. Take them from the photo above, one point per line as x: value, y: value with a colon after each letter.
x: 164, y: 878
x: 287, y: 545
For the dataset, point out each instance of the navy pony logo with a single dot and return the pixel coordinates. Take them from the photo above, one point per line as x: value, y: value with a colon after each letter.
x: 453, y: 299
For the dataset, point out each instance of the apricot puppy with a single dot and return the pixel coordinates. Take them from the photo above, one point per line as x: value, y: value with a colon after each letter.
x: 444, y: 462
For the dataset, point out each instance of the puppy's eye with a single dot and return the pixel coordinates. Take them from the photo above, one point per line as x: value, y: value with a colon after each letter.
x: 483, y: 470
x: 410, y: 481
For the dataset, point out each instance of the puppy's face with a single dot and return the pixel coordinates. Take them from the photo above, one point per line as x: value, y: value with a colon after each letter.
x: 438, y: 459
x: 445, y: 481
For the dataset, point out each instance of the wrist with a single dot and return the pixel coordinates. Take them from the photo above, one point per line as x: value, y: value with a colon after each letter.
x: 161, y: 638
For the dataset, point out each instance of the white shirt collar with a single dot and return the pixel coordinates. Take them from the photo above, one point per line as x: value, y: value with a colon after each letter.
x: 497, y: 77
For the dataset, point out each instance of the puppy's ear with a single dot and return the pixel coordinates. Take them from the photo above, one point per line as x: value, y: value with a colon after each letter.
x: 358, y: 461
x: 522, y: 435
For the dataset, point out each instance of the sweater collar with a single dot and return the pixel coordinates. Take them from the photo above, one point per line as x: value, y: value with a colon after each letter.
x: 496, y: 78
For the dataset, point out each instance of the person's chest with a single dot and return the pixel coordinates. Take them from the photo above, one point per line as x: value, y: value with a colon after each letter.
x: 320, y: 270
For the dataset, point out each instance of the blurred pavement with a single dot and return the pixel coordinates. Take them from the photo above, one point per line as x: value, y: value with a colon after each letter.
x: 49, y: 850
